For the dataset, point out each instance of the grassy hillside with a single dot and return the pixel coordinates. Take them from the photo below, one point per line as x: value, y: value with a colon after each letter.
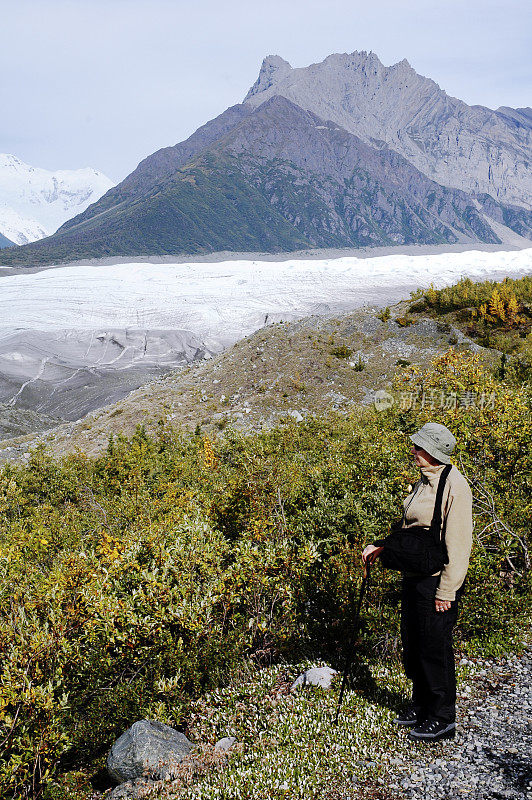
x: 315, y: 365
x: 204, y: 208
x: 247, y: 204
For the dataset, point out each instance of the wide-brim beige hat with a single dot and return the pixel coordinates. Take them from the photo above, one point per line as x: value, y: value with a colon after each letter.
x: 437, y: 440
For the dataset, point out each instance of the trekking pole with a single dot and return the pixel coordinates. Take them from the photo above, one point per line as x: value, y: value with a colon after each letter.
x: 356, y: 626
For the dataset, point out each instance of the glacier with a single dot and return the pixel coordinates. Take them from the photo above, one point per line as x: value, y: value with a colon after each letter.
x: 227, y: 300
x: 74, y: 338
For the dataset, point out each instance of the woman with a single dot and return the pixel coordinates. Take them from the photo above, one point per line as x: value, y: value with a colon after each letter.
x: 429, y: 605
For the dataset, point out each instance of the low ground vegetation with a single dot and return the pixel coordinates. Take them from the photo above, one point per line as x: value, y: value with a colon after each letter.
x: 133, y: 583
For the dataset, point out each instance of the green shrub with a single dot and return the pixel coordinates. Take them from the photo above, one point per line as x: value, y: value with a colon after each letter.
x: 132, y: 582
x: 341, y: 351
x: 405, y: 321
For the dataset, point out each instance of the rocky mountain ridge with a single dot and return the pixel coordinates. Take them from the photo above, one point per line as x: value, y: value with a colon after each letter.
x: 471, y: 148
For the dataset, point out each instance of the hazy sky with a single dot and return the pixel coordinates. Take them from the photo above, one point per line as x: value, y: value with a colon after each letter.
x: 104, y: 83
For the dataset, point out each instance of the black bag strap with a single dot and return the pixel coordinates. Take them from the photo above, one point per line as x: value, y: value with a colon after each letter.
x: 436, y: 517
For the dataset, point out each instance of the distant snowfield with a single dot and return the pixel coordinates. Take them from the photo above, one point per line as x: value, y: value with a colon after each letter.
x: 230, y: 299
x: 34, y: 202
x: 73, y: 339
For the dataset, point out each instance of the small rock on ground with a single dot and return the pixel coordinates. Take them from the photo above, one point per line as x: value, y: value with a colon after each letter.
x: 225, y: 744
x: 318, y: 676
x: 133, y: 790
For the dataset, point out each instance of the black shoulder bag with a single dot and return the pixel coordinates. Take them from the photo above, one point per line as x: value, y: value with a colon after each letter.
x: 418, y: 549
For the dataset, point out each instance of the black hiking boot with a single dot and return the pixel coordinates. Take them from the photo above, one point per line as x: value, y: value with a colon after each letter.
x: 408, y: 718
x: 432, y: 730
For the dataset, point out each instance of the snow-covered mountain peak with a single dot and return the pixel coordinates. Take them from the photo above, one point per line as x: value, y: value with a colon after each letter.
x: 7, y: 160
x: 35, y: 202
x: 13, y: 164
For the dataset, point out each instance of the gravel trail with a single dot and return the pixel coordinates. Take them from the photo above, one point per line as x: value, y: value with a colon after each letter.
x: 491, y: 757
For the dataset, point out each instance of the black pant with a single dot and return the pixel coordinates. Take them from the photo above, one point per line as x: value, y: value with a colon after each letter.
x: 428, y: 658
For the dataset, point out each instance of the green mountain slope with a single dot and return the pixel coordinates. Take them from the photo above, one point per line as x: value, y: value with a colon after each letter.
x: 5, y: 242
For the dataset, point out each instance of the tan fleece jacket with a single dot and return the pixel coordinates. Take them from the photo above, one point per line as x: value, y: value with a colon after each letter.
x: 457, y: 516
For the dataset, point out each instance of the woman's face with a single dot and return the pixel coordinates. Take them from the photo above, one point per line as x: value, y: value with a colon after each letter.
x: 421, y: 457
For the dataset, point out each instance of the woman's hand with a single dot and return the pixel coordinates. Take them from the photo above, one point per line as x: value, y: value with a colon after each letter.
x: 371, y: 553
x: 443, y: 605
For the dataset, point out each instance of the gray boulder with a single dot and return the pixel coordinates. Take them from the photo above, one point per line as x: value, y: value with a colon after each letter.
x: 318, y: 676
x: 148, y: 748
